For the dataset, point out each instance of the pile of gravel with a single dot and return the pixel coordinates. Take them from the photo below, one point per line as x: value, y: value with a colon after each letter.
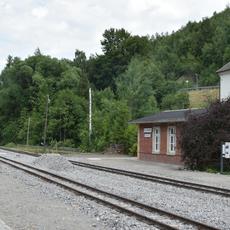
x: 54, y: 162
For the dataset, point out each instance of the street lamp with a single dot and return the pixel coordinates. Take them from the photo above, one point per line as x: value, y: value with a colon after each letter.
x: 187, y: 81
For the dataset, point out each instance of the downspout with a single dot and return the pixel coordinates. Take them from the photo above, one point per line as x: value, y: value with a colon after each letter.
x: 138, y: 142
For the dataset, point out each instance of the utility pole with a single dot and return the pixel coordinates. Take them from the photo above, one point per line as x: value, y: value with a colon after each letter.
x: 28, y: 132
x: 196, y: 75
x: 46, y: 121
x: 90, y: 115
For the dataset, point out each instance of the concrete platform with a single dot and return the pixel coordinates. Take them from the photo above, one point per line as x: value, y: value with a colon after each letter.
x: 154, y: 168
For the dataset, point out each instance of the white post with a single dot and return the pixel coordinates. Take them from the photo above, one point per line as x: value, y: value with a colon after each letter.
x: 46, y: 121
x: 90, y: 115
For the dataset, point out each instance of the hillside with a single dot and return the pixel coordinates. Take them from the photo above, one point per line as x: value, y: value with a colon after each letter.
x: 197, y: 48
x: 133, y: 77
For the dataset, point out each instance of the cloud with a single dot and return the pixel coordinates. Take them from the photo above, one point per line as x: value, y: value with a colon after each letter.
x: 58, y: 27
x: 40, y: 12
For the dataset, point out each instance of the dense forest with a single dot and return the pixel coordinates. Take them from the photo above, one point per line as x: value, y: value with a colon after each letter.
x: 134, y: 76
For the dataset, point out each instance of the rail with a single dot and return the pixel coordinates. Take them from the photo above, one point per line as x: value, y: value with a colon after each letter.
x: 158, y: 179
x: 200, y: 88
x: 142, y: 176
x: 148, y: 214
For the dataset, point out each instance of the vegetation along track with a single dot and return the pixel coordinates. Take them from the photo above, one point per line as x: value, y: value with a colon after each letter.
x: 158, y: 179
x: 148, y: 214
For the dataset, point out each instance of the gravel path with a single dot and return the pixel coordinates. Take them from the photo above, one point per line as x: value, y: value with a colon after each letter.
x: 27, y: 202
x: 207, y: 208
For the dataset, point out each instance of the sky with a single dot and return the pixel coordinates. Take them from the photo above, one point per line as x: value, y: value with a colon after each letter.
x: 59, y: 27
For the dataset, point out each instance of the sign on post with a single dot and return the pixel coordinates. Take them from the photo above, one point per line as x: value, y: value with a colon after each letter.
x: 225, y: 153
x: 226, y: 150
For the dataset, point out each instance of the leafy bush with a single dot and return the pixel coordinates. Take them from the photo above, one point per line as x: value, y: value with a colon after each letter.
x: 133, y: 150
x: 202, y: 135
x: 130, y: 140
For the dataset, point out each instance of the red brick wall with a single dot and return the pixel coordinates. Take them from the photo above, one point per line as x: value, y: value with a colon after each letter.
x: 145, y: 145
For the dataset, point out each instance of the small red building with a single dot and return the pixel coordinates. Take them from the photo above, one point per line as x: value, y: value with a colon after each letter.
x: 158, y: 135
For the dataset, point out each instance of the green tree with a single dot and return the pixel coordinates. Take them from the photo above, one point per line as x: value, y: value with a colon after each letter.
x: 67, y: 113
x: 119, y: 46
x: 175, y: 101
x: 80, y: 60
x: 138, y: 86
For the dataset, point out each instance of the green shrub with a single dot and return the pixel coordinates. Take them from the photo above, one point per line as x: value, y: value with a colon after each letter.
x: 133, y: 150
x: 212, y: 170
x: 202, y: 135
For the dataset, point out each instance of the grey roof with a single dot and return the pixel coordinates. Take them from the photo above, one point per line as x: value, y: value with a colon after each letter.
x: 170, y: 116
x: 224, y: 68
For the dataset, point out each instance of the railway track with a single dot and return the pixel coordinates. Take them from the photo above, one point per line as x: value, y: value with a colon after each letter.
x: 145, y: 213
x: 158, y: 179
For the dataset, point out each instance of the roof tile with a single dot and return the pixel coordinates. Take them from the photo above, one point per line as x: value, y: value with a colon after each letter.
x: 170, y: 116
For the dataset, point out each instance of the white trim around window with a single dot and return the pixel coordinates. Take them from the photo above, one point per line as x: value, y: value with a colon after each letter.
x: 171, y: 140
x: 156, y: 140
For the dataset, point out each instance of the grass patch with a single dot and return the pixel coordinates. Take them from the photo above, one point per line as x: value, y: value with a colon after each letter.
x: 217, y: 170
x: 10, y: 145
x: 41, y: 149
x: 202, y: 98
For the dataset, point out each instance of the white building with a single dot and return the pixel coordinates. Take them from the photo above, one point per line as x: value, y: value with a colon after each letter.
x: 224, y: 74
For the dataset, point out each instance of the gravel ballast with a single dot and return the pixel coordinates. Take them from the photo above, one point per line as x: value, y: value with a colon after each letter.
x: 26, y: 202
x: 203, y: 207
x: 54, y: 162
x: 207, y: 208
x: 154, y: 168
